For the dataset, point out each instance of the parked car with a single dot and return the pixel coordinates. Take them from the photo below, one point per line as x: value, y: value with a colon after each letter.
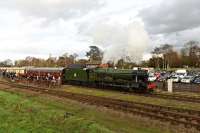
x: 181, y: 73
x: 152, y: 78
x: 187, y: 79
x: 175, y: 78
x: 161, y: 78
x: 196, y: 80
x: 164, y: 76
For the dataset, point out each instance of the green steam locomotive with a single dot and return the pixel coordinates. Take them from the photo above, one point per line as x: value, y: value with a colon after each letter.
x: 122, y: 79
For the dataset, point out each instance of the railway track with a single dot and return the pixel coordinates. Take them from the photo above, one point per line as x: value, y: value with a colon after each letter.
x: 158, y: 95
x: 173, y: 97
x: 189, y: 118
x: 177, y: 97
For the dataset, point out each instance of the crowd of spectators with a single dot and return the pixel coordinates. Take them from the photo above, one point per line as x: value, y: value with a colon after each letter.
x: 48, y: 80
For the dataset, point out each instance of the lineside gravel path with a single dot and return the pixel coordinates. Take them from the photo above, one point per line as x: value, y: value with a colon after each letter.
x: 186, y: 117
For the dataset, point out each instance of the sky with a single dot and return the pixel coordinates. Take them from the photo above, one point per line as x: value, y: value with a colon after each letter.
x: 42, y: 27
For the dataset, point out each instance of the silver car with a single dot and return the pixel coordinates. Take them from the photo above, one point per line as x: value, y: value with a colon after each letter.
x: 187, y: 79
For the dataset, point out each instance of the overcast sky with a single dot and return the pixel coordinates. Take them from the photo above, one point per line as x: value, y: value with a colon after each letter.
x: 42, y: 27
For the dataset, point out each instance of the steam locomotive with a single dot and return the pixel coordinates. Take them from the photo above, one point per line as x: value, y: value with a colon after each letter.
x: 122, y: 79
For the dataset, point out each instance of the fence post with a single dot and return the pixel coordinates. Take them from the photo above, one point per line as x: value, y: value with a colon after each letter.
x: 170, y: 85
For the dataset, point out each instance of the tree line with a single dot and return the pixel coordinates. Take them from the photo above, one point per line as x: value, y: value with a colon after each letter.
x: 164, y: 56
x: 94, y: 55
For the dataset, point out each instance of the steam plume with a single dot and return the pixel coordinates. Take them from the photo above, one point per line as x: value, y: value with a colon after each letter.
x: 120, y: 41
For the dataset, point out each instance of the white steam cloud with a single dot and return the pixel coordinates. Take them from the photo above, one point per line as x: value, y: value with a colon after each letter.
x: 120, y: 42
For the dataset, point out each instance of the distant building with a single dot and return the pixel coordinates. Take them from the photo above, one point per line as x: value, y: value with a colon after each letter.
x: 93, y: 64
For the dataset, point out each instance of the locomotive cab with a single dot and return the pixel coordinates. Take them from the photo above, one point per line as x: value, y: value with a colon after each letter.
x: 140, y: 78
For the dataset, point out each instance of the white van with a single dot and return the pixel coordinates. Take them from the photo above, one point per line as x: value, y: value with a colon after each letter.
x: 181, y: 73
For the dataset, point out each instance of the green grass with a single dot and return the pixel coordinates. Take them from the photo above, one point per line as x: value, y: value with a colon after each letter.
x: 135, y: 98
x: 24, y: 113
